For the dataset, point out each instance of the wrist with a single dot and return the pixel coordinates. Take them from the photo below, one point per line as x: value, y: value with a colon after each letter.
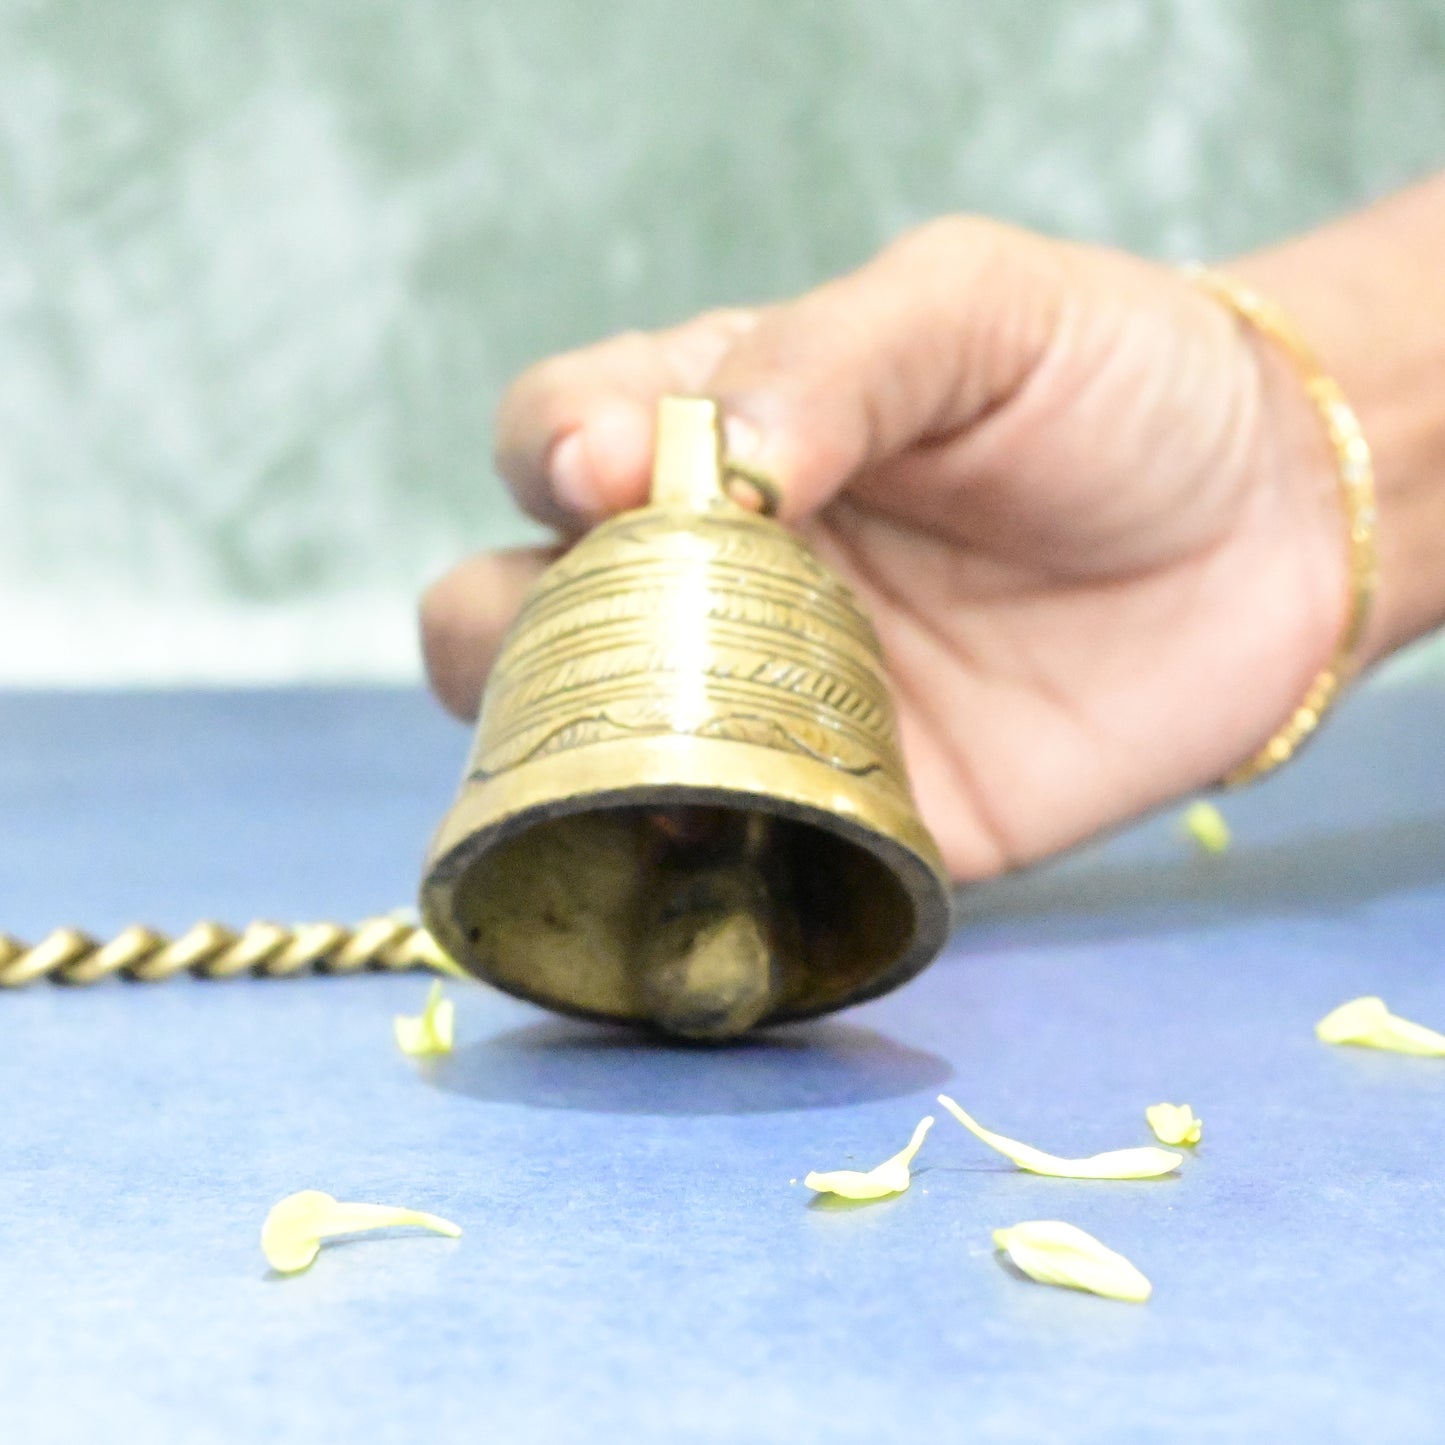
x: 1367, y: 295
x: 1320, y: 485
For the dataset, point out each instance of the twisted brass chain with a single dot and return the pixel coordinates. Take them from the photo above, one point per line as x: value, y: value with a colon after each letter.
x: 390, y: 942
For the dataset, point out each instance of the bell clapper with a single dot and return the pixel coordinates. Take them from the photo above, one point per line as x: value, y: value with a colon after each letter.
x: 707, y: 960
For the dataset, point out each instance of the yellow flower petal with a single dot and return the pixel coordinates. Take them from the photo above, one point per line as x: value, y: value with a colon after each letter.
x: 434, y: 956
x: 292, y: 1234
x: 1367, y: 1022
x: 1053, y: 1252
x: 1174, y: 1123
x: 890, y: 1177
x: 1145, y: 1163
x: 1205, y: 824
x: 432, y: 1032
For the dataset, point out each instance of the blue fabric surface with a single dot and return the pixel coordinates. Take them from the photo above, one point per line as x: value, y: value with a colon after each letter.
x: 636, y: 1263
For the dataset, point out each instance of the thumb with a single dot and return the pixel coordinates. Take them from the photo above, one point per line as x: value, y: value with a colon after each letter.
x: 926, y: 339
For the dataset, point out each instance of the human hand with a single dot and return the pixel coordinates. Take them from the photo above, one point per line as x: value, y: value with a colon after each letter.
x: 1092, y: 517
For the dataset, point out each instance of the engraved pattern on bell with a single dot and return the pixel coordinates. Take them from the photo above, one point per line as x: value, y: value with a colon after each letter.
x: 717, y: 624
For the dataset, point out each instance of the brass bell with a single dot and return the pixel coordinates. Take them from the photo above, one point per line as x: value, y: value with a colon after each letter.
x: 685, y: 805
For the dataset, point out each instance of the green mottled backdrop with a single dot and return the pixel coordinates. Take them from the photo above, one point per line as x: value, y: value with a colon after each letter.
x: 265, y: 265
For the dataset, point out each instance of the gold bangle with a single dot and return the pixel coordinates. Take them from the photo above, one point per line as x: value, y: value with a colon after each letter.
x: 1356, y: 474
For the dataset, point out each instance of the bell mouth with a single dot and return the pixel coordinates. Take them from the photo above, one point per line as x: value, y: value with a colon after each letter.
x: 697, y: 911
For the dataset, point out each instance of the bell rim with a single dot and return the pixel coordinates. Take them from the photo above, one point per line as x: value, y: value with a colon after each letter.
x: 869, y: 814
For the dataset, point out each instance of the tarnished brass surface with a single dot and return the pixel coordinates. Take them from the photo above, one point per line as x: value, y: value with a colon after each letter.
x: 685, y: 803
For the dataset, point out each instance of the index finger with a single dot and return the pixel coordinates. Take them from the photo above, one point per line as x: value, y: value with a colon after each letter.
x: 575, y: 432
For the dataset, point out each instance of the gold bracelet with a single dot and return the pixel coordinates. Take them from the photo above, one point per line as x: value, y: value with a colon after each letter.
x: 1357, y: 487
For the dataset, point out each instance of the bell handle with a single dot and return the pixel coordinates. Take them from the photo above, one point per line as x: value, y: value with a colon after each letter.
x: 687, y: 471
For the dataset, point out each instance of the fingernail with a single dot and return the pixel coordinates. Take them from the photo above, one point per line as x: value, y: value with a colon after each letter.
x: 743, y: 440
x: 571, y: 475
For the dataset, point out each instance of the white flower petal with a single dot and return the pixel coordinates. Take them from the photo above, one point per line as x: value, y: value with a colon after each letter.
x: 1053, y: 1252
x: 892, y: 1176
x: 1174, y: 1123
x: 1368, y: 1023
x: 1205, y: 824
x: 292, y: 1234
x: 1142, y: 1163
x: 433, y: 1031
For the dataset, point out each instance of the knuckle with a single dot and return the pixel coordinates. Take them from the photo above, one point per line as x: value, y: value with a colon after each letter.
x: 731, y: 320
x: 948, y: 235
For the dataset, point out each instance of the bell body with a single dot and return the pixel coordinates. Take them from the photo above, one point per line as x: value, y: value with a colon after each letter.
x: 686, y: 804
